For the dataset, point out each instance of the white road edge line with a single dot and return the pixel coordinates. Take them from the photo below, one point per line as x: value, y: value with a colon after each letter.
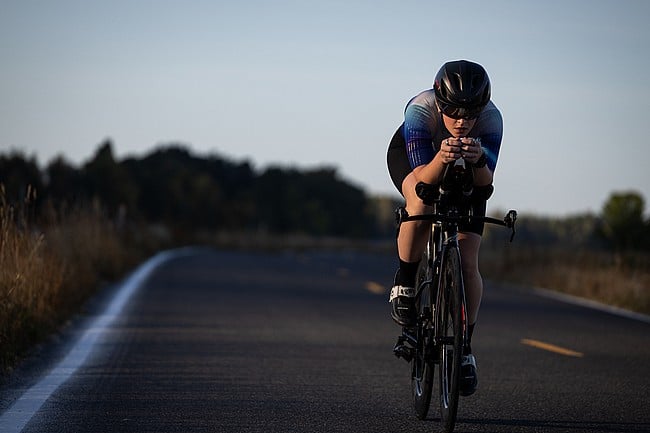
x: 575, y: 300
x: 23, y: 409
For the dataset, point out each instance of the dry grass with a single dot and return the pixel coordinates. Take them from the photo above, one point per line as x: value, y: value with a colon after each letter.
x: 30, y: 279
x: 604, y: 277
x: 47, y: 273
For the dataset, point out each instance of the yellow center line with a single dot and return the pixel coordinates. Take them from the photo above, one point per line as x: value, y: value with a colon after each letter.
x: 551, y: 348
x: 375, y: 288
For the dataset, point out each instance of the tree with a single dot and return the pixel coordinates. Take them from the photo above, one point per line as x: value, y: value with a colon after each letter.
x: 19, y: 175
x: 64, y: 182
x: 623, y: 223
x: 108, y: 181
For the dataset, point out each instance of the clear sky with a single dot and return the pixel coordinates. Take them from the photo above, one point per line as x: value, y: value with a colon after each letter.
x: 309, y: 83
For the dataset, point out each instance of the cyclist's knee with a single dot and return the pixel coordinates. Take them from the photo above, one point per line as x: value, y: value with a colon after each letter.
x: 414, y: 204
x: 415, y: 207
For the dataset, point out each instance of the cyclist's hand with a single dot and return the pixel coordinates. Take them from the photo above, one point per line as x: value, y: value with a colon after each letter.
x: 451, y: 150
x: 471, y: 149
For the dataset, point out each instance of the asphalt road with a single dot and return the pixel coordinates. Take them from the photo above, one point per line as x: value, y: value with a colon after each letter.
x: 241, y: 342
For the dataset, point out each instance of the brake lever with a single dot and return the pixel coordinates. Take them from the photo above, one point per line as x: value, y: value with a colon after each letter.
x: 510, y: 220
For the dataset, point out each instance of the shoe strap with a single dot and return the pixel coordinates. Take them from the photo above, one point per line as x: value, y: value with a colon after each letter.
x: 408, y: 292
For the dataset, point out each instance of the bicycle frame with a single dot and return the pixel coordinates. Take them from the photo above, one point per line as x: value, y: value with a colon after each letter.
x: 448, y: 239
x: 443, y: 235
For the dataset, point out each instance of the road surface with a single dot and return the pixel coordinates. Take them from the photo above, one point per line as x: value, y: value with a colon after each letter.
x: 216, y: 341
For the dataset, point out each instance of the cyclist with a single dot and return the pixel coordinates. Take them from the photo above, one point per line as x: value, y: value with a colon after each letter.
x: 454, y: 119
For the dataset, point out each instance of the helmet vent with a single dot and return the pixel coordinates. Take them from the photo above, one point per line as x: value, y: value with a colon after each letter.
x: 459, y: 81
x: 477, y: 80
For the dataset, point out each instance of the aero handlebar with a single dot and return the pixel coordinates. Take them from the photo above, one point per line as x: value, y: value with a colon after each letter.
x: 508, y: 221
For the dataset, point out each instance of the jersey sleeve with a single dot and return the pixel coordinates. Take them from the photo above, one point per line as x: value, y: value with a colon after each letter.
x: 491, y: 138
x: 417, y: 135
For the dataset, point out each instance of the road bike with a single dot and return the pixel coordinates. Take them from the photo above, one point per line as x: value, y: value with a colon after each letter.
x: 440, y: 334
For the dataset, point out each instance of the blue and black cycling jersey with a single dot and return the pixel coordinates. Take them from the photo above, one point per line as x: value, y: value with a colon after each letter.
x: 424, y: 130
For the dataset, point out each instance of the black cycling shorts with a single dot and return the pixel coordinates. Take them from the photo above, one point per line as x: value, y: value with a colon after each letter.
x: 399, y: 167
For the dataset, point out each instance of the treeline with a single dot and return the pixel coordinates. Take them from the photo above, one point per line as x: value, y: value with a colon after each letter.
x: 174, y: 188
x: 184, y: 193
x: 620, y: 227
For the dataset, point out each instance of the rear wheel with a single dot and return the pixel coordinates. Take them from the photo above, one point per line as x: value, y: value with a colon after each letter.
x: 422, y: 366
x: 450, y: 328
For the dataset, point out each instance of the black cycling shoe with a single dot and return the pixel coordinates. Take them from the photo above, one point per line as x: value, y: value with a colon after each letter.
x: 469, y: 376
x: 402, y: 300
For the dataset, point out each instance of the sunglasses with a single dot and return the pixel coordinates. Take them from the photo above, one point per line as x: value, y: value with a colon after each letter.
x: 460, y: 113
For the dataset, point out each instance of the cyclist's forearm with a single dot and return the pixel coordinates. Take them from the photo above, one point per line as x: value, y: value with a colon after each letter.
x: 430, y: 173
x: 483, y: 176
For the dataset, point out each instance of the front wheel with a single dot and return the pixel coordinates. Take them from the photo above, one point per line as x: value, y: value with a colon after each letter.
x: 449, y: 330
x: 422, y: 365
x: 422, y: 383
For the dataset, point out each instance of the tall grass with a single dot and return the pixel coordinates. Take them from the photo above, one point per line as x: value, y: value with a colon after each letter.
x: 606, y: 277
x: 29, y: 280
x: 48, y: 270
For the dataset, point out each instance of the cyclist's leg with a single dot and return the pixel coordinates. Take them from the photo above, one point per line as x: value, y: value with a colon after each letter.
x: 469, y: 240
x: 413, y: 235
x: 469, y: 244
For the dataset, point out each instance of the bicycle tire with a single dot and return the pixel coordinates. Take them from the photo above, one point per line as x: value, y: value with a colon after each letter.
x: 449, y: 327
x: 423, y: 367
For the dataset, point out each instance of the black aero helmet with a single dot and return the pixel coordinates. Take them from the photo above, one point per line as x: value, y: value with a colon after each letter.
x: 462, y: 89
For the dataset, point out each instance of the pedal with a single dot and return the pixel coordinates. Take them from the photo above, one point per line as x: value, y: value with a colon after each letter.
x: 401, y: 350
